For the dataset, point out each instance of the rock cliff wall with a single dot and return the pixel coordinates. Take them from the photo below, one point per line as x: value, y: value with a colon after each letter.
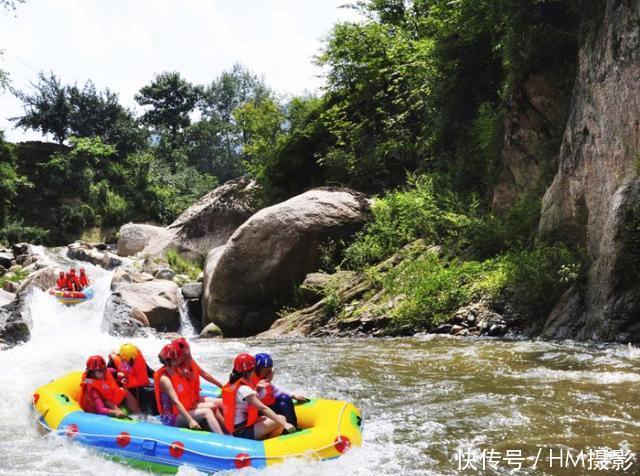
x: 594, y: 200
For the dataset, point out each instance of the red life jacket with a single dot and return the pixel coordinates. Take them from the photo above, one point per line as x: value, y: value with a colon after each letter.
x: 107, y: 388
x: 229, y: 393
x: 84, y: 281
x: 181, y: 387
x: 191, y: 374
x: 61, y: 283
x: 268, y: 398
x: 136, y: 375
x: 72, y: 283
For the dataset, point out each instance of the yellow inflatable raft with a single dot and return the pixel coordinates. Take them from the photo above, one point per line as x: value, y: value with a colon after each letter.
x: 328, y: 428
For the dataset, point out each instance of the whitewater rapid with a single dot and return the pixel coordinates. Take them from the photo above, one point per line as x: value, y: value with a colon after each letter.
x: 424, y: 399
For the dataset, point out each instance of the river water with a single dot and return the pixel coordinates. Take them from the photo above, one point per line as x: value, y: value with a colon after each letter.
x: 432, y: 405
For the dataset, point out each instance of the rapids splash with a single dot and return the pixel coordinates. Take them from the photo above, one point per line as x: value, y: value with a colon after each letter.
x: 425, y: 400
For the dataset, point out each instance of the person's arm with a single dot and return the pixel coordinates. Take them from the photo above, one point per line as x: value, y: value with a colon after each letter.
x: 269, y: 413
x: 104, y: 408
x: 165, y: 384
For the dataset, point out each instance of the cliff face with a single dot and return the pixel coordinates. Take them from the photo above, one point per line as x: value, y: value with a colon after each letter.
x: 594, y: 199
x: 533, y: 126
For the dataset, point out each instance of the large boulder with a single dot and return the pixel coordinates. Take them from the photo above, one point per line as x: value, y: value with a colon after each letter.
x: 14, y: 329
x: 134, y: 237
x: 208, y: 223
x: 121, y: 319
x: 158, y: 300
x: 265, y: 258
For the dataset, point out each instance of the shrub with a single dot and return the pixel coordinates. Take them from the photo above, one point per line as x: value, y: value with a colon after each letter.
x: 183, y: 266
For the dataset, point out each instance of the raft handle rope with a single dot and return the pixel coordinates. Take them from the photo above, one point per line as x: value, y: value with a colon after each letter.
x: 315, y: 451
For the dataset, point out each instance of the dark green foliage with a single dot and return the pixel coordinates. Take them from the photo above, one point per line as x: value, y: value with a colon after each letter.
x: 169, y: 100
x: 66, y: 111
x: 47, y: 109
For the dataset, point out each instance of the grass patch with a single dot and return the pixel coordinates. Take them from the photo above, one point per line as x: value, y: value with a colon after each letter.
x: 183, y: 266
x: 17, y: 277
x: 528, y: 283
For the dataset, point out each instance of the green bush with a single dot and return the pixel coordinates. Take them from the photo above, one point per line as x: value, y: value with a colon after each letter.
x: 183, y: 266
x: 432, y: 289
x: 526, y: 283
x: 536, y: 279
x: 404, y: 216
x: 15, y: 231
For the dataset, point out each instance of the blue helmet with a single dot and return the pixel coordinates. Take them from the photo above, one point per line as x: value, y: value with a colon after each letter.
x: 264, y: 361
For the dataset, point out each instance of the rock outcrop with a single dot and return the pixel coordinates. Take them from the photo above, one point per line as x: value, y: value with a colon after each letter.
x: 265, y: 258
x: 206, y: 224
x: 134, y: 237
x: 594, y: 200
x: 533, y: 126
x: 86, y: 252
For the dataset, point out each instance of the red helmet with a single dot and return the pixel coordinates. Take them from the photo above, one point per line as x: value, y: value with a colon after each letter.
x: 81, y: 270
x: 170, y: 352
x: 182, y: 343
x: 96, y: 362
x: 244, y: 363
x: 62, y: 274
x: 72, y: 270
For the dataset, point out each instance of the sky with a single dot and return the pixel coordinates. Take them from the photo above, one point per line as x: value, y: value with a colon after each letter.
x: 121, y: 44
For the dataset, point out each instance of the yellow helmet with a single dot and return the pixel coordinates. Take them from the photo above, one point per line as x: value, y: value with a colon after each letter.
x: 128, y: 352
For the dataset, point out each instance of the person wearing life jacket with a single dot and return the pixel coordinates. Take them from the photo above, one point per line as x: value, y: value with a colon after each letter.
x: 100, y: 393
x: 83, y: 279
x: 191, y: 371
x: 190, y: 368
x: 72, y: 281
x: 279, y: 401
x: 175, y: 399
x: 61, y: 283
x: 133, y: 373
x: 241, y: 405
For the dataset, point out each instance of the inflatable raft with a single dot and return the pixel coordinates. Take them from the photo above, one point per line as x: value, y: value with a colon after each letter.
x: 72, y: 297
x: 328, y: 429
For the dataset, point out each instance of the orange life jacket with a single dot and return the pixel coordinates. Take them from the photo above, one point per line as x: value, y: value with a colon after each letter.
x: 181, y: 387
x: 136, y: 375
x: 191, y: 374
x: 107, y: 388
x: 268, y: 398
x: 229, y: 393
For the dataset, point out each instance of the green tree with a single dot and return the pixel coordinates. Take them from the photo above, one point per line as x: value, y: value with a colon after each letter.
x: 79, y: 111
x: 47, y: 109
x: 169, y: 100
x: 215, y: 142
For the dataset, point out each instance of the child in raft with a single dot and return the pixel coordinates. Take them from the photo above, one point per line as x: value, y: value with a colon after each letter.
x: 133, y: 373
x: 279, y: 401
x: 241, y: 405
x: 100, y: 393
x: 176, y: 398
